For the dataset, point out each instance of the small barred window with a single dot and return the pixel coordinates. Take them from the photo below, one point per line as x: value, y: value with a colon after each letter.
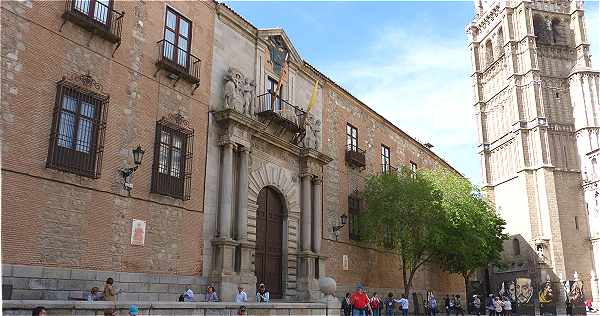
x: 77, y: 136
x: 354, y: 217
x: 172, y: 171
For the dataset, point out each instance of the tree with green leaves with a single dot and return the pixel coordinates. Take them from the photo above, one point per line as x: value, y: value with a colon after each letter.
x: 404, y: 214
x: 472, y: 230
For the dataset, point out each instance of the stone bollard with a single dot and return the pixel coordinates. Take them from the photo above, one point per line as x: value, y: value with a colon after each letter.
x: 328, y: 287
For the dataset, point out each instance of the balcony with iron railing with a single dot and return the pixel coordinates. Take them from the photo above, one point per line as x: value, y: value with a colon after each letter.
x: 178, y: 61
x: 355, y: 156
x: 274, y: 108
x: 95, y: 16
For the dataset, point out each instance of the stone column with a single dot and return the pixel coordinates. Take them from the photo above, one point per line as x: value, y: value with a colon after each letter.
x: 225, y: 205
x: 222, y: 274
x: 317, y: 217
x: 242, y: 220
x: 247, y: 277
x: 317, y: 228
x: 307, y: 287
x: 306, y: 213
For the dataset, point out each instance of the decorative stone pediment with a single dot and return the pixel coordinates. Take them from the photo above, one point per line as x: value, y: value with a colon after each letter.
x: 278, y: 42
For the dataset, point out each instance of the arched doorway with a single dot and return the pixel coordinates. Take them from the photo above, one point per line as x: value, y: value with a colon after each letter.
x: 269, y: 236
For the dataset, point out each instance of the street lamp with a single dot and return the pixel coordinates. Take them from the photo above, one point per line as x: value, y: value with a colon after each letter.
x: 138, y: 155
x: 336, y: 228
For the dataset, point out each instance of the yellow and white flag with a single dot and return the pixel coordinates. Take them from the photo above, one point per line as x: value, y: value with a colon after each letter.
x: 313, y: 97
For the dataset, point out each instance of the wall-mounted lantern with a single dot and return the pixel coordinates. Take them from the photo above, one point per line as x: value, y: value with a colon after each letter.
x: 138, y: 155
x: 336, y: 228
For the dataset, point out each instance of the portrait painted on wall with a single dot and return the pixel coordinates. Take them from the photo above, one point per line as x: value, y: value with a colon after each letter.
x: 138, y: 232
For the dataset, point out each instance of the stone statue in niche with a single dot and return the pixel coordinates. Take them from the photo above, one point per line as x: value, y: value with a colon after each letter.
x: 312, y: 139
x: 238, y: 92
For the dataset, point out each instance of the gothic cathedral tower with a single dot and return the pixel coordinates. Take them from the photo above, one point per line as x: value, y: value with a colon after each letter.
x: 538, y: 118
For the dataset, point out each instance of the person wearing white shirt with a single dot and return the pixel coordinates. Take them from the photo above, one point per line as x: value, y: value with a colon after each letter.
x: 241, y: 296
x: 403, y: 302
x: 262, y: 295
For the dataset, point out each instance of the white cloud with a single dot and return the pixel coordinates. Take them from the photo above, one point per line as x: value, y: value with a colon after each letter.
x: 421, y: 83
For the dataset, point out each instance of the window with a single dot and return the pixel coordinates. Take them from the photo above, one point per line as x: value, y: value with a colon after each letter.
x: 351, y: 138
x: 413, y: 168
x: 271, y: 87
x: 576, y: 223
x: 489, y: 52
x: 178, y: 33
x: 516, y: 247
x: 172, y: 170
x: 385, y: 158
x: 98, y: 10
x: 77, y: 136
x: 354, y: 217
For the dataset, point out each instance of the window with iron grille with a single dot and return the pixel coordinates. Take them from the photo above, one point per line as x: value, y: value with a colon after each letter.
x: 354, y: 218
x: 77, y: 135
x: 172, y: 169
x: 351, y: 137
x: 385, y: 158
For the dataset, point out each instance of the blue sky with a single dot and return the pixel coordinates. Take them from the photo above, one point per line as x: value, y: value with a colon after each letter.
x: 407, y: 60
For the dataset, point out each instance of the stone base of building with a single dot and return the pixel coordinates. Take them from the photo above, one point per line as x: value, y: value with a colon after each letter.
x: 307, y: 282
x: 21, y: 282
x: 328, y: 307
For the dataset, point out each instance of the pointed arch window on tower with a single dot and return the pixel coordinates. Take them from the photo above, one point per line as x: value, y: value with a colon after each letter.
x: 554, y: 30
x: 499, y: 42
x: 489, y: 52
x: 594, y: 169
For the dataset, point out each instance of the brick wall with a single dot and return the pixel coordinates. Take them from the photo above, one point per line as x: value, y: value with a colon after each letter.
x: 56, y: 219
x: 378, y: 270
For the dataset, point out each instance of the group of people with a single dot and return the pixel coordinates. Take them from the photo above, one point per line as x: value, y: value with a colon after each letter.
x: 453, y: 304
x: 360, y: 304
x: 495, y: 305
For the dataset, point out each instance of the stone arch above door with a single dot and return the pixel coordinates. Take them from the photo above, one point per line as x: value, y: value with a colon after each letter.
x: 278, y: 178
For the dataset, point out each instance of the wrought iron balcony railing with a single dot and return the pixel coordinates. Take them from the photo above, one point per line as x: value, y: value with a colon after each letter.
x: 178, y: 61
x: 273, y: 107
x: 97, y: 17
x: 355, y: 156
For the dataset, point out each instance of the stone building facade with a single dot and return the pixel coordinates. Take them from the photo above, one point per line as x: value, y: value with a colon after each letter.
x: 66, y: 214
x: 315, y: 171
x: 237, y: 186
x: 535, y: 100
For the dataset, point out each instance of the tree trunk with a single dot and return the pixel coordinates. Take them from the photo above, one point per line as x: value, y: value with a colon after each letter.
x: 406, y: 280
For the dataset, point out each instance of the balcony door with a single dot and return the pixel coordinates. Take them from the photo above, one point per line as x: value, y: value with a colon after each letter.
x: 98, y: 10
x: 178, y: 33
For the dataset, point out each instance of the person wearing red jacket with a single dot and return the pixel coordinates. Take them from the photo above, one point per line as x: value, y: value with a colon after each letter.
x: 360, y: 302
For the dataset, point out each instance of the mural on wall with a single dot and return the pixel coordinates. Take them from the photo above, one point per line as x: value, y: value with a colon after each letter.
x: 238, y: 93
x: 524, y: 296
x: 547, y: 299
x: 575, y: 298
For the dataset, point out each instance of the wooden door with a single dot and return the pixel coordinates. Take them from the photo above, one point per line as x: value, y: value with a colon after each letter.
x: 269, y: 236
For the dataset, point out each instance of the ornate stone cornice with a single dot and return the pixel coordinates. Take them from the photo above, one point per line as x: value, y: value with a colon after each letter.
x: 234, y: 124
